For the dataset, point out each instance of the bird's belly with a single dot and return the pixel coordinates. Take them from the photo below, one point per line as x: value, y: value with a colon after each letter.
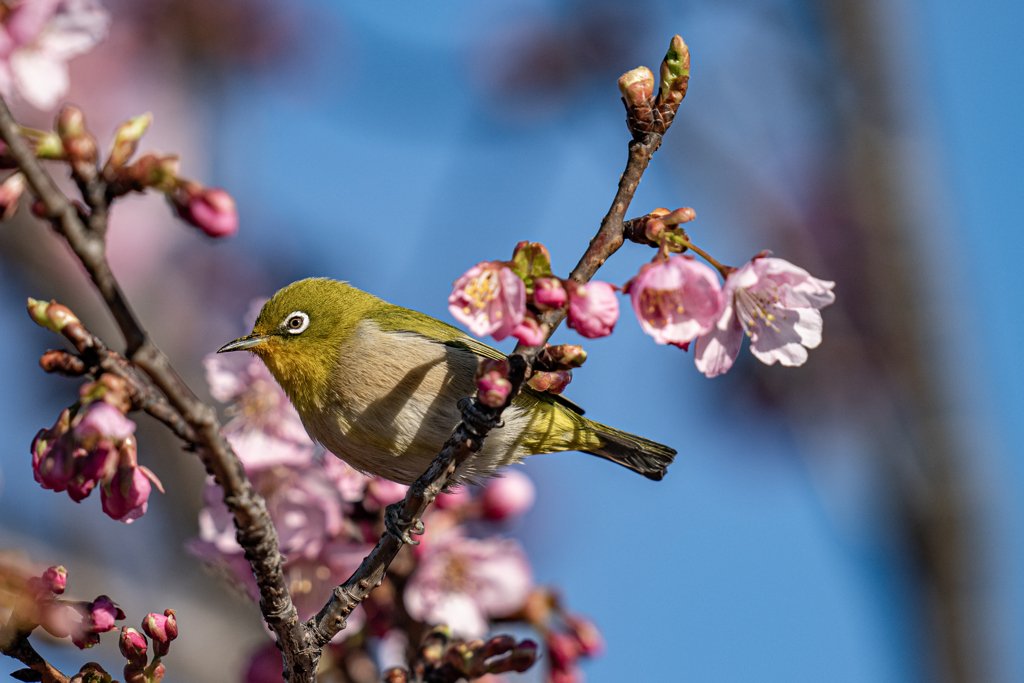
x: 396, y: 404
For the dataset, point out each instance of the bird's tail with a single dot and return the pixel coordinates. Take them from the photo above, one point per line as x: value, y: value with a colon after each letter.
x: 647, y: 457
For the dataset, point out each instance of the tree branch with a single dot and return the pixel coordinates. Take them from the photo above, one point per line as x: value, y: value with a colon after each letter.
x: 255, y: 530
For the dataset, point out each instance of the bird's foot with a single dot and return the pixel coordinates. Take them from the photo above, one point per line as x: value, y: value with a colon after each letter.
x: 478, y: 421
x: 397, y: 527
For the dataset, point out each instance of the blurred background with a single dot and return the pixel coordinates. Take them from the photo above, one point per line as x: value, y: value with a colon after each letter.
x: 857, y: 519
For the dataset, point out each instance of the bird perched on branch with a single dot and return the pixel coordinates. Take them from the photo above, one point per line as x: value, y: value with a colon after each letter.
x: 378, y: 385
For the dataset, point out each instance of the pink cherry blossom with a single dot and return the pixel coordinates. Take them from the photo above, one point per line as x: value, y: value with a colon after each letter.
x: 210, y: 209
x: 489, y: 299
x: 306, y: 509
x: 102, y: 419
x: 675, y: 300
x: 462, y: 582
x: 38, y: 37
x: 126, y: 497
x: 55, y: 579
x: 508, y: 496
x: 774, y: 303
x: 593, y: 309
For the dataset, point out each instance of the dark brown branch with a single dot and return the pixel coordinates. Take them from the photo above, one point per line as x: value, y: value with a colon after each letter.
x: 16, y: 645
x: 255, y: 530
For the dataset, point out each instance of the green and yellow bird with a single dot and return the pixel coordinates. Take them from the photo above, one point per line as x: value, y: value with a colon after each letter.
x: 378, y: 385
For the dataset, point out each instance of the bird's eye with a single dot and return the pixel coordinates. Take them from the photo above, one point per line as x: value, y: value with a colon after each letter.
x: 296, y: 322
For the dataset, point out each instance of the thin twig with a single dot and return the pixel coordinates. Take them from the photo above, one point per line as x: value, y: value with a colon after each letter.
x: 255, y: 530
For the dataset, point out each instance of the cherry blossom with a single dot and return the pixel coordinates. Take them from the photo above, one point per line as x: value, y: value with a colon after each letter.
x: 489, y: 299
x: 38, y: 37
x: 773, y: 302
x: 508, y: 496
x: 675, y: 300
x: 464, y: 581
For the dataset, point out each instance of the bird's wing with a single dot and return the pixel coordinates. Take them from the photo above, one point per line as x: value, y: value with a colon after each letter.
x: 398, y: 319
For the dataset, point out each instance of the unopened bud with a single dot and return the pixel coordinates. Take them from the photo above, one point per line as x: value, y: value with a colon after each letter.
x: 530, y: 331
x: 493, y: 389
x: 567, y: 356
x: 531, y: 260
x: 55, y: 579
x: 162, y: 628
x: 551, y: 382
x: 126, y: 139
x: 210, y: 209
x: 637, y: 86
x: 79, y: 144
x: 50, y: 314
x: 91, y: 672
x: 675, y: 73
x: 434, y: 645
x: 10, y: 192
x: 523, y: 656
x: 49, y: 146
x: 548, y: 293
x: 152, y: 170
x: 133, y: 647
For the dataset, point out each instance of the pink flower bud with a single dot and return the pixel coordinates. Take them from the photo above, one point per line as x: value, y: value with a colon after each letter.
x: 489, y: 299
x: 10, y: 192
x: 637, y: 86
x: 529, y: 331
x: 548, y: 293
x: 564, y: 650
x: 493, y: 389
x: 53, y: 462
x: 593, y: 309
x: 588, y: 638
x: 125, y: 497
x: 508, y: 496
x: 553, y: 382
x: 210, y: 209
x: 55, y: 579
x: 101, y: 614
x: 162, y: 628
x: 133, y: 646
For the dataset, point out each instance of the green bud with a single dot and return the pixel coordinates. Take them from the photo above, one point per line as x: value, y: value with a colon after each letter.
x: 70, y: 122
x: 50, y: 315
x: 530, y: 260
x: 675, y: 71
x: 126, y: 139
x: 49, y: 146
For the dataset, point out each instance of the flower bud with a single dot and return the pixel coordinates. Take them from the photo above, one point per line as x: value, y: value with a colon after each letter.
x: 79, y: 144
x: 126, y: 139
x: 435, y: 644
x: 588, y: 638
x: 126, y: 496
x: 162, y: 628
x: 548, y: 293
x: 91, y: 672
x: 101, y: 614
x: 493, y: 389
x: 593, y: 309
x: 10, y: 192
x: 152, y: 170
x: 133, y: 647
x: 50, y: 314
x: 564, y: 649
x: 530, y: 331
x: 567, y: 356
x: 508, y: 496
x: 553, y: 382
x: 531, y: 260
x: 210, y: 209
x: 523, y: 656
x: 396, y: 675
x: 55, y: 579
x: 637, y: 86
x: 675, y: 73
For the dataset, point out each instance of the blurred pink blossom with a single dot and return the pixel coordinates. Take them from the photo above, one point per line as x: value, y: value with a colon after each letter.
x: 464, y: 581
x: 210, y: 209
x: 593, y: 309
x: 489, y: 299
x: 508, y: 496
x: 675, y: 300
x: 774, y: 303
x: 38, y: 37
x: 306, y: 508
x: 548, y: 292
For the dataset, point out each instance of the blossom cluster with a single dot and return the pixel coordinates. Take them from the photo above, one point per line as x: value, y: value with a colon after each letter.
x: 463, y: 575
x: 36, y: 601
x: 93, y: 444
x: 676, y: 299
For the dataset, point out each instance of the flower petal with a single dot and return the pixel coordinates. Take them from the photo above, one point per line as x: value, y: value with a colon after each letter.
x: 716, y: 351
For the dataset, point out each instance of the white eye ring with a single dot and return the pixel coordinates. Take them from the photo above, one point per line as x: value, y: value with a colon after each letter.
x: 296, y: 322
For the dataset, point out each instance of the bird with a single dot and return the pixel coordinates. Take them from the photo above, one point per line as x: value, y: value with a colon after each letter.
x: 378, y: 385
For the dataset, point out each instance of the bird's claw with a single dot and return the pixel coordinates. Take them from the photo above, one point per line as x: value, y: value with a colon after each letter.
x: 478, y: 422
x: 397, y: 527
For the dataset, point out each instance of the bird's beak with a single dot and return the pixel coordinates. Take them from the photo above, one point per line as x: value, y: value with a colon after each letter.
x: 252, y: 341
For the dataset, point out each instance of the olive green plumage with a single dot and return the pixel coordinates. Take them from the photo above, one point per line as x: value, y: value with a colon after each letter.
x: 378, y: 384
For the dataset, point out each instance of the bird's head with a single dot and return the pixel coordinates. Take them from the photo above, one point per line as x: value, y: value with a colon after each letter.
x: 298, y: 335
